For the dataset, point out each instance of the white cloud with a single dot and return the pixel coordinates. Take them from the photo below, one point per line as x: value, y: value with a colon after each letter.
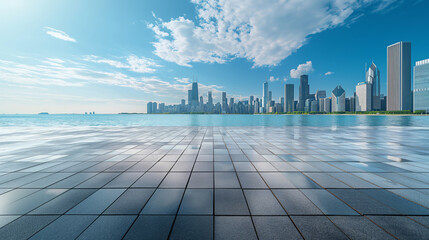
x: 182, y: 80
x: 304, y: 68
x: 273, y: 79
x: 66, y: 73
x: 133, y: 63
x: 59, y: 34
x: 264, y: 32
x: 329, y: 73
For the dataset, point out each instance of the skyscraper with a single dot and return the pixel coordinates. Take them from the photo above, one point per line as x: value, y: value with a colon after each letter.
x: 373, y: 78
x: 338, y: 102
x: 265, y: 96
x: 189, y: 97
x: 399, y: 95
x: 289, y: 98
x: 210, y: 98
x: 320, y: 94
x: 363, y: 97
x: 224, y: 103
x: 304, y: 90
x: 251, y: 104
x: 421, y: 85
x: 149, y: 108
x: 195, y: 93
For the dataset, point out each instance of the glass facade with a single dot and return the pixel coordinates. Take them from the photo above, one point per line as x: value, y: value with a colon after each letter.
x: 421, y: 86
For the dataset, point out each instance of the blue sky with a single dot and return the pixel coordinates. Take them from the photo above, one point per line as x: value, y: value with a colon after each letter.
x: 115, y: 56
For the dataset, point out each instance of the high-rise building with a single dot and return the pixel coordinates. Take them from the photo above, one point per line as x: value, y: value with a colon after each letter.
x: 364, y: 97
x: 399, y: 95
x: 210, y: 98
x: 251, y: 104
x: 320, y: 94
x: 270, y: 96
x: 327, y: 104
x: 224, y: 102
x: 322, y: 104
x: 304, y: 90
x: 189, y: 97
x: 289, y: 98
x: 338, y: 102
x: 195, y: 93
x: 231, y: 105
x: 314, y: 107
x: 183, y: 102
x: 149, y: 108
x: 373, y: 79
x: 421, y: 86
x: 154, y: 107
x: 265, y: 96
x: 307, y: 107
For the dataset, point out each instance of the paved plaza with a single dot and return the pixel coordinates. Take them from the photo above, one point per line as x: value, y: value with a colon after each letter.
x: 214, y: 182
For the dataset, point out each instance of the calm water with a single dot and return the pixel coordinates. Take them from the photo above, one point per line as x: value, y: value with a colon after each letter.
x: 210, y: 120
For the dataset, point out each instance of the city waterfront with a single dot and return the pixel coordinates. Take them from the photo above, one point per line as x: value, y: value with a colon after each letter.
x: 275, y: 120
x: 367, y: 181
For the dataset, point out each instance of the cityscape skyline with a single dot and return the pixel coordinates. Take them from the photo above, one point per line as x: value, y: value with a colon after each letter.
x: 367, y: 96
x: 118, y: 57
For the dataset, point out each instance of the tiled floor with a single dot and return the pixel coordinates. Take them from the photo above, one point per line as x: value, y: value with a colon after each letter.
x: 214, y: 182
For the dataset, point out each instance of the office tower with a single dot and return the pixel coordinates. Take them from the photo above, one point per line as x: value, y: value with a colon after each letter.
x: 251, y: 104
x: 338, y: 101
x: 304, y: 90
x: 347, y: 108
x: 322, y: 104
x: 270, y: 96
x: 307, y: 106
x: 327, y: 105
x: 314, y: 107
x: 320, y: 94
x: 421, y: 86
x: 190, y: 97
x: 154, y: 107
x: 195, y: 93
x: 289, y: 98
x: 256, y: 106
x: 201, y: 100
x: 282, y: 104
x: 231, y: 105
x: 373, y: 79
x: 352, y: 107
x: 265, y: 96
x: 224, y: 102
x: 161, y: 107
x: 183, y: 102
x: 363, y: 97
x: 399, y: 95
x: 383, y: 102
x: 149, y: 108
x: 210, y: 98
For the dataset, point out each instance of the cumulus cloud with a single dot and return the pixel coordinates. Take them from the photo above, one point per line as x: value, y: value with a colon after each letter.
x: 304, y: 68
x: 329, y: 73
x: 264, y: 32
x: 273, y: 79
x: 59, y: 34
x: 133, y: 63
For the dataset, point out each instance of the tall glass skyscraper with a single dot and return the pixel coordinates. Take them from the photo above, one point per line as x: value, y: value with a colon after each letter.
x: 421, y: 85
x: 265, y: 96
x: 399, y: 95
x: 373, y: 78
x: 289, y: 98
x: 304, y: 91
x: 195, y: 93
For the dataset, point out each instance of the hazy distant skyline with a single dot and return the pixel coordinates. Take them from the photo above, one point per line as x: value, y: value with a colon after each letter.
x: 115, y: 56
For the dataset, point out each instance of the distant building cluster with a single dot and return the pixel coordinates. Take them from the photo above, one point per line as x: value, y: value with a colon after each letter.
x: 367, y: 96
